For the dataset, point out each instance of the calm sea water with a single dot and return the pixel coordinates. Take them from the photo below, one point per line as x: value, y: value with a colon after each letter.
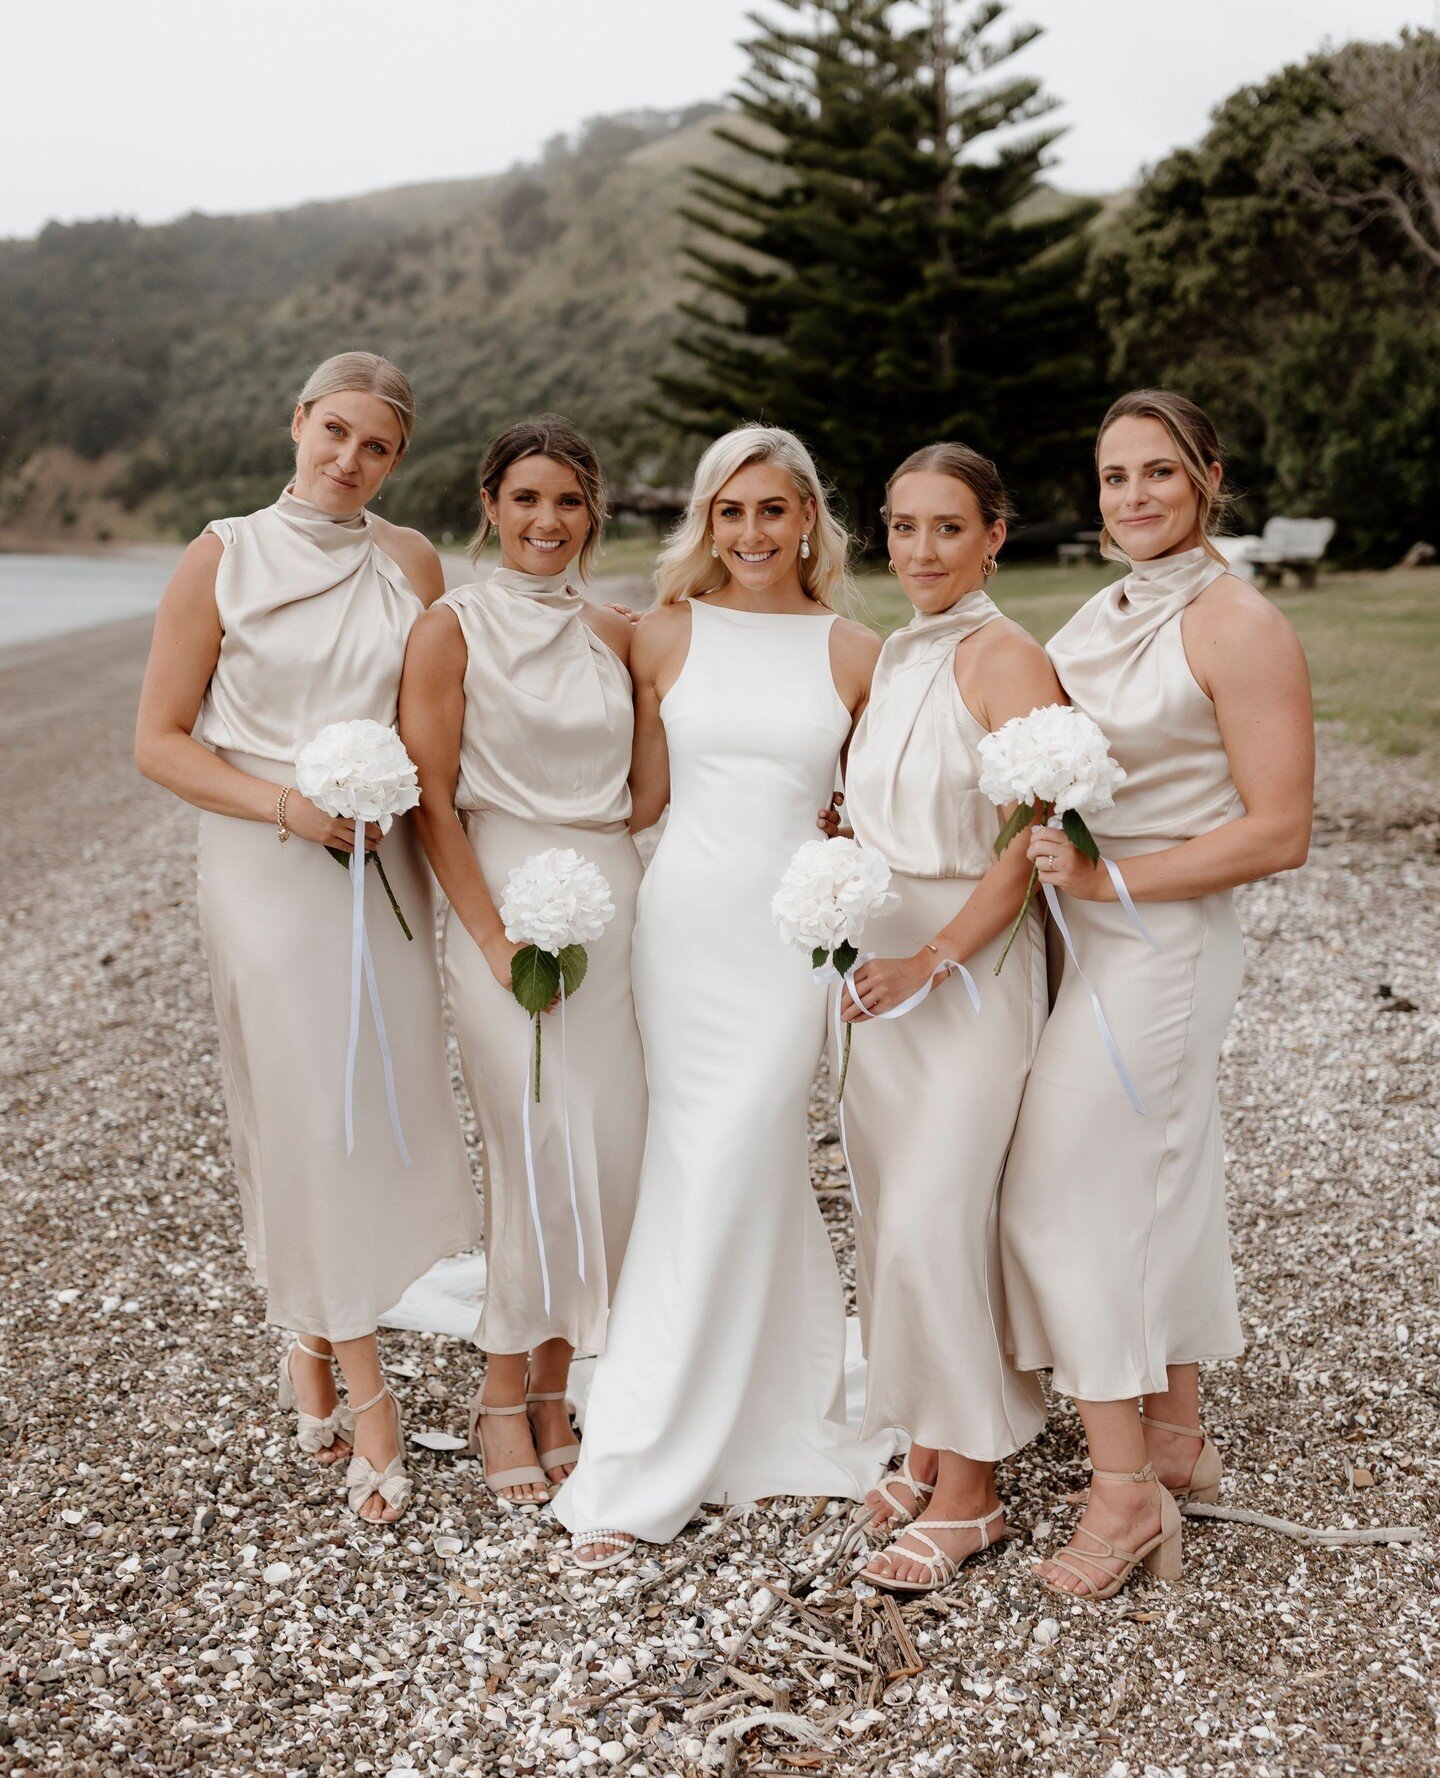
x: 48, y: 595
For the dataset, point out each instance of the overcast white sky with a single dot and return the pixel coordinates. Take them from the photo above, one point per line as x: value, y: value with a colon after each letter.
x: 152, y: 108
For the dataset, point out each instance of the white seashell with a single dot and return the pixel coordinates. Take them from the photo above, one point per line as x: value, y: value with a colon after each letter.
x: 276, y: 1573
x: 437, y: 1441
x: 1046, y: 1631
x: 66, y: 1296
x: 71, y: 1515
x: 447, y: 1546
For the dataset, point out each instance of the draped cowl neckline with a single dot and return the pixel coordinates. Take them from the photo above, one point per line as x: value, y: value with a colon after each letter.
x: 1153, y: 592
x: 351, y: 534
x: 931, y: 638
x: 556, y: 591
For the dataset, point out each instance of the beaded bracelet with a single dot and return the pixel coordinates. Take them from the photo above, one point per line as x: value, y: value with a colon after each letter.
x: 283, y: 833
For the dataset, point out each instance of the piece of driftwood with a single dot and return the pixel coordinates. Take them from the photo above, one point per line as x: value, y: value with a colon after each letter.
x: 827, y: 1649
x: 1325, y: 1536
x: 896, y: 1625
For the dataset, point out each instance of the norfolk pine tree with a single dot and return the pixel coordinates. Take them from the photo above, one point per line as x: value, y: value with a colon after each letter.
x: 879, y: 283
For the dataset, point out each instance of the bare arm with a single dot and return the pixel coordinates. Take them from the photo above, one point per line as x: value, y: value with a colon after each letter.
x: 1249, y: 660
x: 415, y: 555
x: 613, y: 630
x: 1014, y: 677
x: 432, y: 715
x: 184, y: 650
x: 658, y: 646
x: 854, y: 650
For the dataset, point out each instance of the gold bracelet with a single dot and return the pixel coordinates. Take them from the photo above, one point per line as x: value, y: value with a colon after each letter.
x: 284, y: 832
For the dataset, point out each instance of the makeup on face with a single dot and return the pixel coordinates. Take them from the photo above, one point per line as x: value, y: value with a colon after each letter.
x: 345, y: 447
x: 1147, y: 500
x: 540, y: 514
x: 757, y: 522
x: 937, y: 539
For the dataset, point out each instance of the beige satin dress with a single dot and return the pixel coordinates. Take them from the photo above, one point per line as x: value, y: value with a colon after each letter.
x: 1113, y: 1229
x: 544, y: 761
x: 314, y: 619
x: 931, y: 1098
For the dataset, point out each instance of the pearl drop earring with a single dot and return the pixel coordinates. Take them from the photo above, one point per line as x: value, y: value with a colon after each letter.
x: 805, y: 547
x: 714, y: 548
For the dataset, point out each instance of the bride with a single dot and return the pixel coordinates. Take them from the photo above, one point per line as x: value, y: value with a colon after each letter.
x: 723, y: 1377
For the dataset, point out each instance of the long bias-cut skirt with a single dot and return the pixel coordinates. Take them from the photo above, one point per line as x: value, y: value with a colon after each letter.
x: 603, y: 1082
x: 333, y: 1239
x: 931, y: 1101
x: 1114, y: 1240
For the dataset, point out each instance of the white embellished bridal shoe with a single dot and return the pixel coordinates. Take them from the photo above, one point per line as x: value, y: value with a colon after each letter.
x: 313, y: 1433
x: 618, y: 1547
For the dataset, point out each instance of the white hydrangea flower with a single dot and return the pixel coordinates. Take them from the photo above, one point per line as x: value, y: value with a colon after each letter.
x: 555, y: 899
x: 828, y: 892
x: 358, y: 770
x: 1055, y: 755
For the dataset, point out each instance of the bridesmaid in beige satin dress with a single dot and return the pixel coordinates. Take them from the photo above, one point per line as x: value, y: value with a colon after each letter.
x: 516, y: 708
x: 931, y: 1097
x: 273, y: 626
x: 1113, y: 1229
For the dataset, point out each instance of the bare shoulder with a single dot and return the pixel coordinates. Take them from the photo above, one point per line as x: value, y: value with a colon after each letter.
x: 612, y: 629
x: 1002, y: 671
x: 437, y: 643
x: 191, y: 586
x: 855, y: 644
x: 662, y: 631
x: 1233, y: 615
x: 1002, y: 644
x: 415, y: 554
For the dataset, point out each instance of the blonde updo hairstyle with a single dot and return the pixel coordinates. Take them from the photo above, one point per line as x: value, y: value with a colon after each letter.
x: 1197, y: 445
x: 365, y: 373
x: 552, y: 436
x: 686, y: 567
x: 966, y: 465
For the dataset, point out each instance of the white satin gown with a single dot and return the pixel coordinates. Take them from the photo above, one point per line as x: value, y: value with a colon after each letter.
x: 723, y: 1378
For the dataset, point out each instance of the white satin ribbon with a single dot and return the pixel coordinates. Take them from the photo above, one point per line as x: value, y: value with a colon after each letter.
x: 569, y: 1160
x: 827, y: 972
x: 1112, y: 1049
x: 362, y: 963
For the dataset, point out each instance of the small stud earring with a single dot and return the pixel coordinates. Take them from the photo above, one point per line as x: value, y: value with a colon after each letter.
x: 714, y: 548
x: 805, y: 547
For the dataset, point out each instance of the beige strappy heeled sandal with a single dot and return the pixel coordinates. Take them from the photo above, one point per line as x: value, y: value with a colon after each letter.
x: 904, y: 1477
x: 1161, y: 1555
x: 940, y: 1568
x: 313, y: 1433
x: 392, y: 1484
x: 561, y: 1453
x: 503, y: 1478
x: 1204, y: 1483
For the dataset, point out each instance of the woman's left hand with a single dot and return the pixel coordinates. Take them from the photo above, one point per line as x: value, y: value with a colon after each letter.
x: 1062, y: 867
x: 884, y: 982
x: 631, y: 617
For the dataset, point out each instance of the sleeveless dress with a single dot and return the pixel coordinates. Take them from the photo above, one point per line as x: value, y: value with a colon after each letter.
x: 314, y: 619
x: 544, y: 762
x: 1114, y: 1242
x: 931, y: 1098
x: 724, y: 1375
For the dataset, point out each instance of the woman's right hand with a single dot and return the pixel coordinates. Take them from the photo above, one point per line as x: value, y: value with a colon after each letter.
x: 499, y: 953
x: 307, y: 822
x: 828, y: 820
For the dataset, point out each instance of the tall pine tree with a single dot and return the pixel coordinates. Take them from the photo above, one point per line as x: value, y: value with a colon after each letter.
x: 881, y: 280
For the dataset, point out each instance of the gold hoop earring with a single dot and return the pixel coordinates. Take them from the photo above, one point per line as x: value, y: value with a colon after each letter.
x: 890, y: 568
x: 989, y: 566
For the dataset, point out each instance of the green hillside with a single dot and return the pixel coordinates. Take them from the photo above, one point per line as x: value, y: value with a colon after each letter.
x: 148, y: 370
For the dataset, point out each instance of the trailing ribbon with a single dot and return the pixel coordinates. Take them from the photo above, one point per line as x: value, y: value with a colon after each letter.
x: 569, y: 1159
x: 1112, y: 1049
x: 827, y: 972
x: 361, y: 962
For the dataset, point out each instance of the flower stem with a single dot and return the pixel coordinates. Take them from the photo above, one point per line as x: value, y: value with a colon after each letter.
x: 537, y: 1058
x: 1020, y: 917
x: 844, y: 1060
x: 391, y: 893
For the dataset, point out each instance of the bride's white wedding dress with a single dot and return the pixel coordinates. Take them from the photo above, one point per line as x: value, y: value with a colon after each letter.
x: 723, y: 1375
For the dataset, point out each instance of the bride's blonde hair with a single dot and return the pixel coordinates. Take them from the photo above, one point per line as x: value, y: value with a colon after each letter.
x: 685, y: 566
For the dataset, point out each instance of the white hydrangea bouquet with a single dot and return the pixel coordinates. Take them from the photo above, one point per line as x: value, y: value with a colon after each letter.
x: 360, y: 771
x: 1055, y: 762
x: 830, y: 890
x: 554, y: 904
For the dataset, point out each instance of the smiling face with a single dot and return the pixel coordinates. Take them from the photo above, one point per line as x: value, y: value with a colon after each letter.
x: 938, y: 538
x: 540, y: 514
x: 344, y: 448
x: 1147, y: 500
x: 757, y: 521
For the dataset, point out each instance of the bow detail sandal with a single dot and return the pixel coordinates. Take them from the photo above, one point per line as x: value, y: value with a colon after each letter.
x: 561, y: 1454
x: 616, y: 1544
x: 392, y: 1484
x: 313, y: 1433
x: 940, y: 1569
x: 522, y: 1475
x: 1161, y: 1555
x: 904, y: 1477
x: 1204, y: 1483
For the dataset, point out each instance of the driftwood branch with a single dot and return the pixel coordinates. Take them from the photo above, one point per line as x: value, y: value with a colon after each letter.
x: 1324, y: 1537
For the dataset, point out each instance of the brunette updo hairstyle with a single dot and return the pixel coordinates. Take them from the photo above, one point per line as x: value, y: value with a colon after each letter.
x: 552, y: 436
x: 978, y: 473
x: 1197, y: 445
x: 365, y: 373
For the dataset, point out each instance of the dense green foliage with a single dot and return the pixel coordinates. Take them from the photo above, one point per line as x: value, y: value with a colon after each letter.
x: 1264, y: 273
x: 873, y: 281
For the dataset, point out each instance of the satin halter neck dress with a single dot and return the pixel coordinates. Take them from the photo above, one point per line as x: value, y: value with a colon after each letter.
x: 931, y: 1099
x: 545, y: 762
x: 1114, y: 1239
x: 723, y: 1380
x: 314, y: 619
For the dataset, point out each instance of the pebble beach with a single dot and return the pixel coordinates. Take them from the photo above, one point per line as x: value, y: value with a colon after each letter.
x: 180, y: 1591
